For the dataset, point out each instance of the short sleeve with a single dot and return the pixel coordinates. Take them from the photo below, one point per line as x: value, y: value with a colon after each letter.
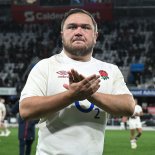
x: 119, y: 85
x: 36, y: 84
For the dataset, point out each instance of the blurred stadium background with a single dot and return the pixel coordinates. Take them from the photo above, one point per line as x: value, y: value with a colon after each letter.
x: 30, y: 31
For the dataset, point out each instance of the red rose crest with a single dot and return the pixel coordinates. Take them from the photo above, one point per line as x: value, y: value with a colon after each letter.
x: 103, y: 74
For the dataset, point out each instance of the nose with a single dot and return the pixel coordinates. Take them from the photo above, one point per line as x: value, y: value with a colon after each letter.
x: 78, y: 31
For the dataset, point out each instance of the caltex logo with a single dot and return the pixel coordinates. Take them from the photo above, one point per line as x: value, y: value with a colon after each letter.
x: 103, y: 74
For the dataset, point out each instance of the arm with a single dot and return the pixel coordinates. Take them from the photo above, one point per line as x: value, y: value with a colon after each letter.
x: 39, y: 106
x: 122, y: 105
x: 141, y: 113
x: 36, y: 107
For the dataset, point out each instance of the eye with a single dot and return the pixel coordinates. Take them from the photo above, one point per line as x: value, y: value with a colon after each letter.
x: 86, y: 27
x: 72, y: 27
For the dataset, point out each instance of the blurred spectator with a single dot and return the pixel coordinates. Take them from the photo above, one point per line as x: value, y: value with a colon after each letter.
x: 26, y: 132
x: 123, y: 124
x: 3, y: 122
x: 135, y: 125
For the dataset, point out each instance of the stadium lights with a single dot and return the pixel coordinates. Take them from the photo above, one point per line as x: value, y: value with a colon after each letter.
x: 30, y: 1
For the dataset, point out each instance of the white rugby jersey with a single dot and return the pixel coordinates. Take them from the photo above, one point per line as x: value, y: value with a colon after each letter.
x: 2, y: 111
x: 138, y: 109
x: 79, y: 128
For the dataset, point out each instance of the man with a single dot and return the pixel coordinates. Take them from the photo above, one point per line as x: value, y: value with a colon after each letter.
x: 135, y: 125
x: 72, y: 92
x: 26, y: 132
x: 3, y: 124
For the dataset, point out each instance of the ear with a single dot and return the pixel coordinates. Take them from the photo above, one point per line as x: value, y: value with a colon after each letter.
x: 61, y: 36
x: 95, y: 37
x: 61, y: 33
x: 96, y: 34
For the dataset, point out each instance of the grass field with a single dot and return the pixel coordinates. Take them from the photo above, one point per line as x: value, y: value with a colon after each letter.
x: 116, y: 143
x: 9, y: 145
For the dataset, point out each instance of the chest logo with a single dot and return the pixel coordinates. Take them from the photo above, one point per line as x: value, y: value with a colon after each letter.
x: 103, y: 74
x: 62, y: 74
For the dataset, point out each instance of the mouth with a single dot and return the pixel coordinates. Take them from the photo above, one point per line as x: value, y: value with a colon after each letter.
x: 78, y: 43
x: 78, y: 40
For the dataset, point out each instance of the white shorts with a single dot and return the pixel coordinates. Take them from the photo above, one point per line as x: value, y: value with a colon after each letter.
x: 134, y: 123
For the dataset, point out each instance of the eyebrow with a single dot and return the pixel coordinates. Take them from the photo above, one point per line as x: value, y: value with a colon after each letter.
x: 75, y: 24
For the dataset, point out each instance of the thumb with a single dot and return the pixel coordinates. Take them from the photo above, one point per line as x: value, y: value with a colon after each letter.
x: 66, y: 86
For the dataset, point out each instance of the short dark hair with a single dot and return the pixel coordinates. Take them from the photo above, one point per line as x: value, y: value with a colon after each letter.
x: 78, y: 10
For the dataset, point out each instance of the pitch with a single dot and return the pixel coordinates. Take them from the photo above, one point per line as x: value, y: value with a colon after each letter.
x: 116, y: 143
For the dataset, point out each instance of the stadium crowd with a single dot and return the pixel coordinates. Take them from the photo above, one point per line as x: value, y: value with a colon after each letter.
x: 120, y: 42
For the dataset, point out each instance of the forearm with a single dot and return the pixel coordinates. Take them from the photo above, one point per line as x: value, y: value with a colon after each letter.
x: 141, y: 114
x: 122, y: 105
x: 41, y: 106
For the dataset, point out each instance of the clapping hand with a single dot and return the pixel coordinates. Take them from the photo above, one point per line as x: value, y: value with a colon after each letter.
x: 82, y: 87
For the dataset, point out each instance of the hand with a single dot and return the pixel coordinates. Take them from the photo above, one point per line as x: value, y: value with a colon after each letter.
x: 82, y: 87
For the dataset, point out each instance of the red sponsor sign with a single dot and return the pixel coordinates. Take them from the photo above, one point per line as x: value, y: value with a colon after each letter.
x: 35, y: 14
x: 151, y: 110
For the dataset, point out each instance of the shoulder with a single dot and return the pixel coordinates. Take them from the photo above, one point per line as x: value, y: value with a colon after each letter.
x: 110, y: 68
x: 105, y: 64
x: 42, y: 65
x: 44, y: 62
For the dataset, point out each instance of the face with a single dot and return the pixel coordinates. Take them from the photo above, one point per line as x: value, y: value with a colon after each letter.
x: 78, y: 35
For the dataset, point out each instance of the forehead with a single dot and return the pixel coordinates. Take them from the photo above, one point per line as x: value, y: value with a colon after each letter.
x: 79, y: 18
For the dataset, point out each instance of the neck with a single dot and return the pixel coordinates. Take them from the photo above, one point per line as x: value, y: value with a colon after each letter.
x: 79, y: 58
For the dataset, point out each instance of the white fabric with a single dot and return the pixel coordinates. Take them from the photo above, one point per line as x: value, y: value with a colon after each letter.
x: 71, y: 131
x: 138, y: 109
x: 135, y: 122
x: 2, y: 111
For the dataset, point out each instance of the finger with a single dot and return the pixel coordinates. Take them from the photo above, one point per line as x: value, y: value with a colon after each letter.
x: 66, y: 86
x: 90, y: 79
x: 93, y: 84
x: 93, y: 88
x: 71, y: 79
x: 81, y: 77
x: 76, y: 75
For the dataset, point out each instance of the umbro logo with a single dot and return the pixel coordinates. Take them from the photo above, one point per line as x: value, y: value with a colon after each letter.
x: 62, y: 74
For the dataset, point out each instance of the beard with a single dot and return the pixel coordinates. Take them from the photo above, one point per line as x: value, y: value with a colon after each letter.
x: 78, y: 50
